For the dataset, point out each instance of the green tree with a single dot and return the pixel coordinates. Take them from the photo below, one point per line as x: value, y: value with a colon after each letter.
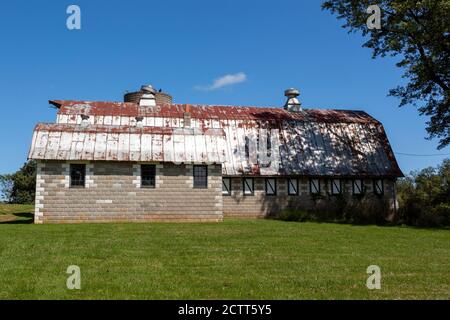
x: 6, y: 185
x: 424, y: 196
x: 20, y: 187
x: 419, y: 32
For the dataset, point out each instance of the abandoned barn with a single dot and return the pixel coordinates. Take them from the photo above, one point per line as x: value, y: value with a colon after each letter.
x: 147, y: 159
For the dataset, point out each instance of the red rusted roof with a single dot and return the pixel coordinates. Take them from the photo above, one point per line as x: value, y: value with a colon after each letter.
x: 55, y: 127
x: 129, y: 109
x: 310, y: 143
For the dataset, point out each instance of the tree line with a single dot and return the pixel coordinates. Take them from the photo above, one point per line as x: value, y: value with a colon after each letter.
x: 19, y: 187
x: 424, y: 196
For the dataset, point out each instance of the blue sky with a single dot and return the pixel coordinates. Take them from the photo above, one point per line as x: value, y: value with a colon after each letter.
x: 182, y: 47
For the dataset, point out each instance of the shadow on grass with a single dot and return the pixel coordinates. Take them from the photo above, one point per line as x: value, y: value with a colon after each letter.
x: 21, y: 218
x: 362, y: 224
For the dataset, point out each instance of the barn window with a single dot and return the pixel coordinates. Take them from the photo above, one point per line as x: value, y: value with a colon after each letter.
x: 358, y: 186
x: 336, y: 186
x: 77, y: 175
x: 378, y: 187
x: 293, y: 187
x: 249, y: 186
x: 226, y: 186
x: 148, y: 174
x: 271, y: 186
x: 314, y: 186
x: 200, y: 177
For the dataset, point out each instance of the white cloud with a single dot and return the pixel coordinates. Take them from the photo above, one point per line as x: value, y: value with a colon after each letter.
x: 226, y: 80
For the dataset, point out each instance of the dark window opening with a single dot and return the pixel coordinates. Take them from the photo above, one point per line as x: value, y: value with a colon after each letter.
x: 77, y: 175
x: 201, y: 177
x: 226, y: 186
x: 148, y: 174
x: 358, y: 186
x: 271, y: 186
x: 249, y: 187
x: 336, y: 186
x: 378, y: 187
x: 314, y: 186
x: 293, y: 187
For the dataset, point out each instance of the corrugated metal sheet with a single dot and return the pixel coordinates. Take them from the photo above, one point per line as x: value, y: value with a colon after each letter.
x: 69, y: 110
x: 95, y: 142
x: 310, y: 143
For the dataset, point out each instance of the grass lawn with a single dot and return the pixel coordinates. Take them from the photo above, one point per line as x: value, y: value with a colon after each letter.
x: 16, y: 212
x: 236, y: 259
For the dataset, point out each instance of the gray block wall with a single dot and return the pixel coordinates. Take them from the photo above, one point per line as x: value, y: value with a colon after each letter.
x: 113, y: 194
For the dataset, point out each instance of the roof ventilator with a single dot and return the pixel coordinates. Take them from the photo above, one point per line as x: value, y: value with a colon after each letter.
x: 148, y: 98
x: 292, y: 104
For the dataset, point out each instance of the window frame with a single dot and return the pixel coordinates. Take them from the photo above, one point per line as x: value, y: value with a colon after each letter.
x: 72, y: 167
x: 266, y: 183
x: 311, y: 186
x: 194, y: 177
x: 381, y: 193
x: 252, y: 186
x: 150, y: 186
x: 296, y: 187
x: 228, y: 191
x: 361, y: 191
x: 333, y: 184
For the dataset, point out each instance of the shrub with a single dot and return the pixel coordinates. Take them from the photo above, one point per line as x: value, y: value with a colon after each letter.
x: 368, y: 209
x: 435, y: 216
x: 294, y: 215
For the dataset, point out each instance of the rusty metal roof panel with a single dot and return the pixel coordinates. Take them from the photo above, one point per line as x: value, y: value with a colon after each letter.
x: 310, y: 143
x: 99, y: 142
x: 95, y: 108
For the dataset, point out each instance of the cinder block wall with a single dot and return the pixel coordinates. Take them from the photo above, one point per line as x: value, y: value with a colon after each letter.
x: 113, y: 194
x: 261, y: 205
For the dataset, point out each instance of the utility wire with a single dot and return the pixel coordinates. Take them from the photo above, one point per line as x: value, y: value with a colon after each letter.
x: 422, y: 155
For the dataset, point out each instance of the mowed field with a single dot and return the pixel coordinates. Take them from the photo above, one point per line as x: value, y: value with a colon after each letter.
x: 236, y: 259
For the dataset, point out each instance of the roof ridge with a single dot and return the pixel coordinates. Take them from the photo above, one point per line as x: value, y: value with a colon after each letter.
x: 60, y: 102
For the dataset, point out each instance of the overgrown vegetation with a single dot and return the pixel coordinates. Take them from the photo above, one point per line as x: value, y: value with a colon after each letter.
x: 19, y: 187
x: 424, y: 196
x: 345, y: 208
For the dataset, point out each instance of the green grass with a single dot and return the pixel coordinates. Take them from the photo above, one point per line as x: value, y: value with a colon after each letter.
x: 236, y: 259
x: 16, y: 211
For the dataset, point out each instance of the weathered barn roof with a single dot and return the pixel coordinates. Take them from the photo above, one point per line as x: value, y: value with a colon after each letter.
x: 311, y: 142
x: 127, y: 109
x: 125, y: 143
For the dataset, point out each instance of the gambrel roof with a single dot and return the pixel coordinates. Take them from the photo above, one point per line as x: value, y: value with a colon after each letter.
x: 309, y: 143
